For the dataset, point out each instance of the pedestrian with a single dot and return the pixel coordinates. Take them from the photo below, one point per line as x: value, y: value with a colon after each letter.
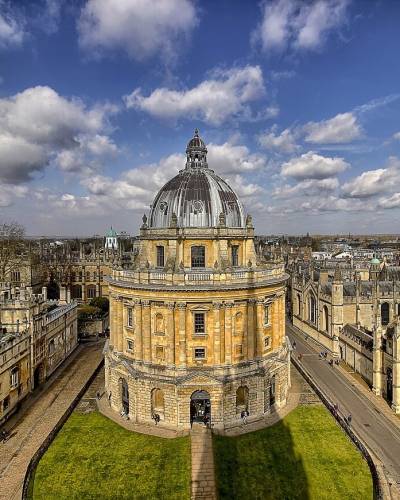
x: 331, y: 362
x: 336, y: 409
x: 349, y: 419
x: 294, y: 344
x: 243, y: 416
x: 306, y: 338
x: 300, y: 356
x: 109, y: 398
x: 97, y: 395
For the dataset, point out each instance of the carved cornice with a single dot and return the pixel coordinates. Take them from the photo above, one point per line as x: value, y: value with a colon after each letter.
x: 181, y: 305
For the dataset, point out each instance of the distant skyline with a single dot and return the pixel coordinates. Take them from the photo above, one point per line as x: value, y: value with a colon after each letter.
x: 298, y: 103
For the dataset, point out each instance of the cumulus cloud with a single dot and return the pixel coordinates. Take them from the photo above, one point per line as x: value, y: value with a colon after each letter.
x: 340, y: 129
x: 8, y: 193
x: 308, y: 187
x: 226, y: 94
x: 131, y: 26
x: 38, y: 123
x: 298, y: 25
x: 313, y: 166
x: 228, y: 158
x: 390, y: 201
x: 284, y: 142
x: 396, y: 136
x: 11, y: 27
x: 373, y: 182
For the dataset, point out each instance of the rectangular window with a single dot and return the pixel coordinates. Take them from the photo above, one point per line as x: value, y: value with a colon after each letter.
x: 235, y: 255
x: 199, y: 323
x: 198, y: 257
x: 14, y: 379
x: 200, y: 353
x: 160, y: 256
x: 130, y: 345
x: 129, y: 320
x: 159, y: 352
x: 266, y: 315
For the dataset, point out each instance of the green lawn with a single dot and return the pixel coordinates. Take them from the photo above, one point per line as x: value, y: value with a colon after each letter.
x: 305, y: 456
x: 94, y: 458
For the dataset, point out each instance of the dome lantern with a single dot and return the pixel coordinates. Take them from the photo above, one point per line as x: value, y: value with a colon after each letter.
x: 196, y: 152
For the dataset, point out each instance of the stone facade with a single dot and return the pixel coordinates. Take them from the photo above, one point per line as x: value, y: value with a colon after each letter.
x: 355, y: 317
x: 185, y: 321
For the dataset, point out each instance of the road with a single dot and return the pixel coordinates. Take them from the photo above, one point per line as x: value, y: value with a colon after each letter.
x: 378, y: 433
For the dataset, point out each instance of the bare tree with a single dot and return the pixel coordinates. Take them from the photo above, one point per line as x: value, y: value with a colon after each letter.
x: 12, y: 248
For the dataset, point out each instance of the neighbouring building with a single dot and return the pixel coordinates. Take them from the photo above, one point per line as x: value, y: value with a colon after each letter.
x: 355, y: 316
x: 197, y: 322
x: 36, y: 336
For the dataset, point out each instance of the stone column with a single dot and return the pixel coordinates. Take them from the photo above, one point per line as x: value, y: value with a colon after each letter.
x: 377, y: 360
x: 138, y: 331
x: 171, y: 334
x: 68, y: 294
x: 120, y: 324
x: 396, y: 369
x: 217, y: 333
x: 251, y: 328
x: 182, y: 333
x: 113, y: 316
x: 260, y: 327
x: 228, y: 332
x: 146, y: 331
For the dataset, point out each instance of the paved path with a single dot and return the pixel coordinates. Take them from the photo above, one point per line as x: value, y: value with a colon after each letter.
x: 203, y: 474
x: 378, y: 431
x: 40, y: 415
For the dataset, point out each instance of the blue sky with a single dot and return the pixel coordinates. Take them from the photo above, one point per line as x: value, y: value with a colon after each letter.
x: 299, y: 103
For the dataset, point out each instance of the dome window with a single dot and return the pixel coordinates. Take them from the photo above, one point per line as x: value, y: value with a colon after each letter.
x: 197, y: 207
x: 164, y: 207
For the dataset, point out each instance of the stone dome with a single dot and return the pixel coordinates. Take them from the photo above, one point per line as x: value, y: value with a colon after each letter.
x: 197, y: 196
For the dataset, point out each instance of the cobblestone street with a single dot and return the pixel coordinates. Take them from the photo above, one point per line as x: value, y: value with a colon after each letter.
x: 40, y: 414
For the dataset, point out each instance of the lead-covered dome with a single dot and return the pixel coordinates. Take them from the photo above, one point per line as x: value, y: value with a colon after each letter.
x: 197, y: 196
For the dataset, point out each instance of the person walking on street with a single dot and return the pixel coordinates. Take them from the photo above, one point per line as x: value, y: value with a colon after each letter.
x: 349, y: 419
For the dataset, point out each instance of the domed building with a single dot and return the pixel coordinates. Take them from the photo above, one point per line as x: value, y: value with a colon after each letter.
x: 197, y: 325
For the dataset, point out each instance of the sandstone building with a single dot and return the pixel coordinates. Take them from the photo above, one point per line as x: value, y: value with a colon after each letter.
x: 354, y: 312
x: 36, y: 336
x: 197, y: 323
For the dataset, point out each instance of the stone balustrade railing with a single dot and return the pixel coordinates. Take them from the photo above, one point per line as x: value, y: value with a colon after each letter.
x: 201, y: 276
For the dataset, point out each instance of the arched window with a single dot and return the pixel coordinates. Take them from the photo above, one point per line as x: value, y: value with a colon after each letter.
x: 325, y: 319
x: 159, y: 323
x: 91, y: 291
x: 242, y: 398
x: 157, y: 402
x: 385, y: 313
x: 298, y: 304
x: 398, y: 309
x: 312, y: 309
x: 124, y: 395
x: 198, y: 256
x: 238, y: 323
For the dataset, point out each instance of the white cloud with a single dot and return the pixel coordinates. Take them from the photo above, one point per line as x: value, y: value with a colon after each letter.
x: 396, y: 136
x: 11, y: 29
x: 390, y: 201
x: 298, y: 25
x: 284, y: 142
x: 313, y: 166
x: 226, y: 94
x: 135, y: 26
x: 8, y: 193
x: 228, y: 158
x: 38, y: 123
x: 308, y: 187
x: 374, y: 182
x: 340, y: 129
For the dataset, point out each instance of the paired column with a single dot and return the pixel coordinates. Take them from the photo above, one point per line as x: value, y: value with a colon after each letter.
x: 146, y: 331
x: 228, y: 332
x: 120, y: 324
x: 171, y: 334
x: 217, y: 333
x: 138, y: 331
x: 182, y: 332
x: 251, y: 329
x: 260, y: 327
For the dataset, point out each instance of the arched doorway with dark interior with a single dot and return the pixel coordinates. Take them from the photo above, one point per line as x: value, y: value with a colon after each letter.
x: 200, y: 407
x: 124, y: 396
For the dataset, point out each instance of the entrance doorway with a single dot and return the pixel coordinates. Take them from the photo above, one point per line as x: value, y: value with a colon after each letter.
x: 200, y: 407
x: 38, y: 376
x: 389, y: 385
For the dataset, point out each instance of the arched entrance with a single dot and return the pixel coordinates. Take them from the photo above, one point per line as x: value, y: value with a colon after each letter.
x: 38, y: 375
x: 200, y: 407
x: 125, y: 396
x: 389, y: 385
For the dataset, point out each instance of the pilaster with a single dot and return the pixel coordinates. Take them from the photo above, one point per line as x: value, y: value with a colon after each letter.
x: 182, y: 333
x: 138, y: 331
x: 171, y: 334
x: 251, y: 327
x: 217, y: 333
x: 228, y: 332
x: 146, y: 331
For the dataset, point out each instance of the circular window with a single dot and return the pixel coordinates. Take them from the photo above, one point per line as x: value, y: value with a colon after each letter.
x: 197, y: 206
x: 163, y: 206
